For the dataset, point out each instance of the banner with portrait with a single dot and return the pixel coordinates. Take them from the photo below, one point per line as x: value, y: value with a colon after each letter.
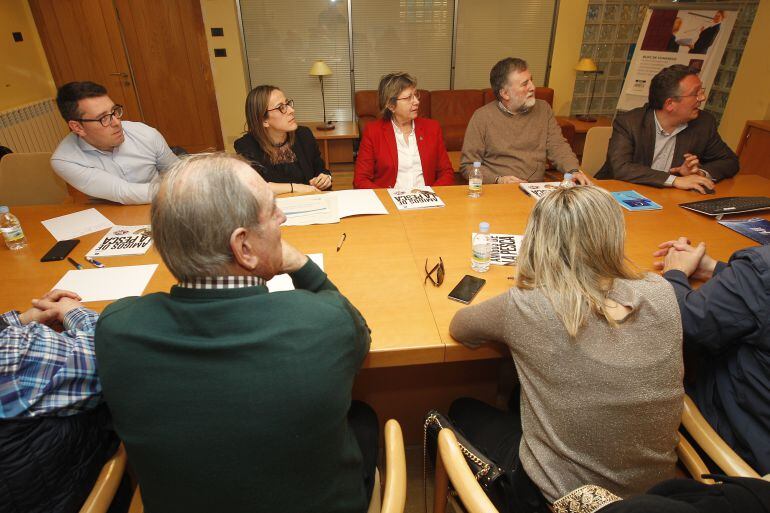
x: 691, y: 34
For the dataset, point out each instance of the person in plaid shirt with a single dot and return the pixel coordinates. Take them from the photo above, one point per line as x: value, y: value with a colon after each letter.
x: 45, y: 372
x: 55, y: 433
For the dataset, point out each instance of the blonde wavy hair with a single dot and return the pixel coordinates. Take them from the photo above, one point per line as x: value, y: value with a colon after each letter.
x: 573, y: 250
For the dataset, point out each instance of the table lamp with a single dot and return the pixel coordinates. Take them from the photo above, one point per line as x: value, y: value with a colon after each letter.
x: 587, y: 65
x: 320, y: 69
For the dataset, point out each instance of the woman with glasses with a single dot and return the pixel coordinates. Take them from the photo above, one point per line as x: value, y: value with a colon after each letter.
x: 285, y: 154
x: 401, y: 150
x: 598, y: 350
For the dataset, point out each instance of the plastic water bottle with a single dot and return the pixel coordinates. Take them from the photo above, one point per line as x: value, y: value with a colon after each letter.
x: 567, y: 182
x: 474, y: 181
x: 481, y: 249
x: 11, y: 228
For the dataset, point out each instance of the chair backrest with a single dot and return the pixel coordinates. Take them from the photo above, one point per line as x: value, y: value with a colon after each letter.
x: 106, y: 485
x: 712, y: 444
x: 595, y: 149
x: 394, y: 494
x: 451, y: 462
x: 29, y: 179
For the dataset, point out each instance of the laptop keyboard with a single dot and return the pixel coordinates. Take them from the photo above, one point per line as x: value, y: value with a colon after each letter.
x: 729, y: 205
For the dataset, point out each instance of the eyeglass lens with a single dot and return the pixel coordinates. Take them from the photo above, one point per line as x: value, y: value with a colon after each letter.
x: 107, y: 118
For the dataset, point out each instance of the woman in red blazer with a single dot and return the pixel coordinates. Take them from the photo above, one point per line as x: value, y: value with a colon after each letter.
x: 420, y: 145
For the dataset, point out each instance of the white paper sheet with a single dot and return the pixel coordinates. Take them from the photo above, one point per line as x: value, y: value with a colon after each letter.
x: 283, y: 281
x: 109, y: 283
x: 305, y: 210
x: 76, y: 224
x: 356, y: 202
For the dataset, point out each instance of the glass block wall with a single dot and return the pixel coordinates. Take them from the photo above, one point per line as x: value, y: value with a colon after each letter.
x: 612, y: 27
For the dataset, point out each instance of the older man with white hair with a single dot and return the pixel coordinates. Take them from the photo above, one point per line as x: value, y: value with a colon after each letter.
x: 227, y: 397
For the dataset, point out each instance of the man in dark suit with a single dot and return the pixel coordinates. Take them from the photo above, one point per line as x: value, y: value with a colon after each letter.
x: 708, y: 35
x: 726, y: 323
x: 670, y: 142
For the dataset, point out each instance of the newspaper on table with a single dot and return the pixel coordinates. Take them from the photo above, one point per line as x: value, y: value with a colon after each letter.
x: 415, y: 198
x: 505, y: 248
x: 539, y: 189
x: 123, y: 240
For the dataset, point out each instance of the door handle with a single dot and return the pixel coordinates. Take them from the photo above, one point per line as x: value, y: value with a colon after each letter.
x: 120, y: 74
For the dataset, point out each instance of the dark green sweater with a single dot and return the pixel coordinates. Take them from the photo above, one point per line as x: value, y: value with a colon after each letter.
x: 236, y: 400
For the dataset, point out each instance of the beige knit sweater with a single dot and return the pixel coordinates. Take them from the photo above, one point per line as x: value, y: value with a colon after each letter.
x: 603, y: 408
x: 515, y: 144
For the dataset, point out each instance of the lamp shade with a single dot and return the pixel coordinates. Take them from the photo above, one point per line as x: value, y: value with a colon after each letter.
x: 320, y: 69
x: 586, y: 64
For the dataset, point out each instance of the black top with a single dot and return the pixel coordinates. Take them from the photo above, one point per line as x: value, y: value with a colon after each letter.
x: 308, y: 165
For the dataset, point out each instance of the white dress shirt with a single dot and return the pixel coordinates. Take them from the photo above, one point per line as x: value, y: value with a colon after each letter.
x: 127, y: 174
x: 409, y: 164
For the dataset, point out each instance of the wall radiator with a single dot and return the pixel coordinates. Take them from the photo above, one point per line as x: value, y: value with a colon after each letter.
x: 35, y: 127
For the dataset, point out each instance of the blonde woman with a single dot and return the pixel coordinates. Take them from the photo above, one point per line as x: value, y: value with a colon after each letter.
x: 598, y: 350
x: 285, y: 154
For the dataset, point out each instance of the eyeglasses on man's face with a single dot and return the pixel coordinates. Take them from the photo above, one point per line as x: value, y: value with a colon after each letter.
x: 106, y: 120
x: 282, y: 107
x: 700, y: 95
x: 415, y: 96
x: 438, y: 269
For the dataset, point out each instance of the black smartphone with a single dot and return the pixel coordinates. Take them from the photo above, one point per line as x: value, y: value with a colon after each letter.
x: 60, y: 250
x: 467, y: 289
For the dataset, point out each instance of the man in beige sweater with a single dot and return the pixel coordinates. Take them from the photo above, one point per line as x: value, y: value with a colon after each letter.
x: 513, y: 136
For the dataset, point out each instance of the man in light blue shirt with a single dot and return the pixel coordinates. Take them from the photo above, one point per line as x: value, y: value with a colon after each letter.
x: 105, y: 157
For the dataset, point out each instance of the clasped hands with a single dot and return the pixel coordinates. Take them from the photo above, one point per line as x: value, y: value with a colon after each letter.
x: 680, y: 255
x: 51, y: 308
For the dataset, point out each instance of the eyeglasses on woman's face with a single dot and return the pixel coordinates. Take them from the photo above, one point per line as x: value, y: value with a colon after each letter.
x: 281, y: 107
x: 415, y: 96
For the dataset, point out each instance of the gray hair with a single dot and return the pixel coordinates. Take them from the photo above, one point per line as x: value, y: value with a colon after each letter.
x: 498, y: 75
x: 199, y: 204
x: 391, y: 85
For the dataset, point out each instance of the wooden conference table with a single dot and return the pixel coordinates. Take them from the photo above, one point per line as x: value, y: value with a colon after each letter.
x: 381, y: 265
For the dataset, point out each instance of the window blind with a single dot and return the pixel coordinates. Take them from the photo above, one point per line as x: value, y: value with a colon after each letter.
x: 414, y: 36
x: 490, y: 30
x: 283, y: 38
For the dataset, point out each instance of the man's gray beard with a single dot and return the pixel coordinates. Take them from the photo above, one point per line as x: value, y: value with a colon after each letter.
x: 527, y: 105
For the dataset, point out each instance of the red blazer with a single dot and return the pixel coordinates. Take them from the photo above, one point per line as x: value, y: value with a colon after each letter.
x: 377, y: 161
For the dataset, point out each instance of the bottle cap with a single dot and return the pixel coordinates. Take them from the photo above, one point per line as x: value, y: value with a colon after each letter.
x: 484, y: 227
x: 477, y: 164
x: 3, y: 209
